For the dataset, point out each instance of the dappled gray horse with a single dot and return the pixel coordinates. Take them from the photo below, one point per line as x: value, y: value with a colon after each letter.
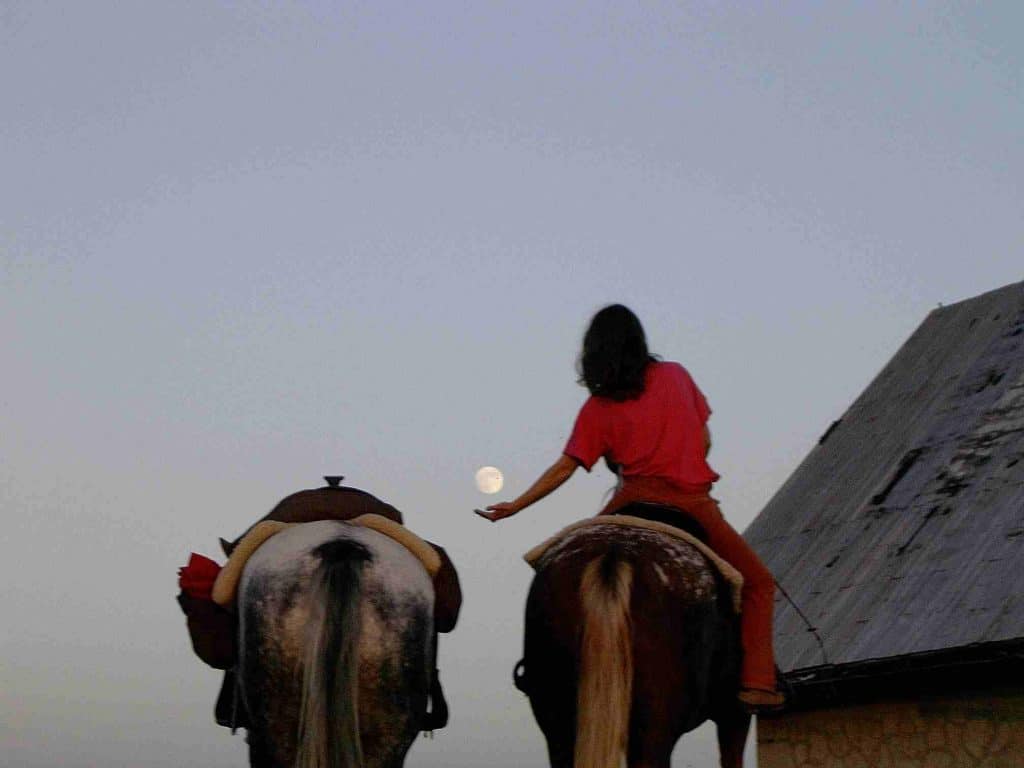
x: 336, y: 634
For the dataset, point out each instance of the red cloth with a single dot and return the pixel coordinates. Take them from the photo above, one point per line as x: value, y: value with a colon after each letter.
x: 658, y: 434
x: 196, y: 579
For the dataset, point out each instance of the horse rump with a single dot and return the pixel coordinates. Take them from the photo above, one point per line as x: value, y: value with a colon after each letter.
x: 630, y: 642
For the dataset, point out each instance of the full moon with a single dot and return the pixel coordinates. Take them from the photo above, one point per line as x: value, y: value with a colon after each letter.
x: 489, y: 479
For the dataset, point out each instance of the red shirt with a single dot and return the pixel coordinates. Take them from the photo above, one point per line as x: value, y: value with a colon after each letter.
x: 658, y: 434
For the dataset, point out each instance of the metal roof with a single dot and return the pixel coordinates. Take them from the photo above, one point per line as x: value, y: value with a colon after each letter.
x: 902, y: 532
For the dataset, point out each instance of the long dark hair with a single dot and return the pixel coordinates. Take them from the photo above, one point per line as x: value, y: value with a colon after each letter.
x: 614, y: 356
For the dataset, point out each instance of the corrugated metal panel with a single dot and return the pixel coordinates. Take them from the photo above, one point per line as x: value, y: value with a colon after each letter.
x: 903, y: 532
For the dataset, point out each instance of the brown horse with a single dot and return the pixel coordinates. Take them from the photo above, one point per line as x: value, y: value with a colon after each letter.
x: 631, y: 641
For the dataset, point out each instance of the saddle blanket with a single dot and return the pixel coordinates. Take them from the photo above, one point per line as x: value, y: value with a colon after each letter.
x: 733, y: 577
x: 226, y: 585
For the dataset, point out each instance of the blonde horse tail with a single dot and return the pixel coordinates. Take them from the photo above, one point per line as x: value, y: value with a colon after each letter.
x: 329, y: 715
x: 606, y: 664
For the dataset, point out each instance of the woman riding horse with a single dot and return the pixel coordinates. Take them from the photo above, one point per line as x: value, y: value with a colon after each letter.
x: 648, y: 419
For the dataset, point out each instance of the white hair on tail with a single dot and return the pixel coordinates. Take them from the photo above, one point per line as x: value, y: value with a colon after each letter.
x: 605, y: 688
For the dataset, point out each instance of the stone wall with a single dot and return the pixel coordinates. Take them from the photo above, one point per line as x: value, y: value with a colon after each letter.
x: 971, y: 731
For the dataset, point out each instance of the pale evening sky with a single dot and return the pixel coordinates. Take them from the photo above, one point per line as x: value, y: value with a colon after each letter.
x: 246, y: 245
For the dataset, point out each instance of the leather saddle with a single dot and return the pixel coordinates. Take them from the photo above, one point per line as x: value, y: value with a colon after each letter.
x: 663, y: 513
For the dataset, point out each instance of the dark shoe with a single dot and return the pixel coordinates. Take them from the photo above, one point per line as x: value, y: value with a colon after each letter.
x: 757, y: 701
x: 436, y: 717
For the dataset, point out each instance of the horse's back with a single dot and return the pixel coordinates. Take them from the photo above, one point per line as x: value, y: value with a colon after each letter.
x: 671, y: 576
x: 275, y: 588
x: 294, y: 550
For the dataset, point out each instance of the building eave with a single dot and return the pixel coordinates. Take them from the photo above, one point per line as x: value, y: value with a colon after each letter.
x: 951, y: 670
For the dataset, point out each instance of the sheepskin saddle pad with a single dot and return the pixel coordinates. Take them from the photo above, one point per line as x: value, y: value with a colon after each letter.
x: 226, y: 585
x: 730, y: 574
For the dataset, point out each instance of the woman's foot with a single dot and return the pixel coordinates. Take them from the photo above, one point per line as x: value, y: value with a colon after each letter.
x: 756, y: 701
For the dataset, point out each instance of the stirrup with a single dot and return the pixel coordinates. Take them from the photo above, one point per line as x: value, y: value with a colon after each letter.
x: 436, y: 717
x: 519, y: 677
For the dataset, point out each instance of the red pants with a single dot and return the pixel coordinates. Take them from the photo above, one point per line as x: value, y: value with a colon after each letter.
x: 758, y: 670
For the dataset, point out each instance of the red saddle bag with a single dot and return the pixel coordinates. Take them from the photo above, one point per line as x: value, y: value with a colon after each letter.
x: 211, y: 628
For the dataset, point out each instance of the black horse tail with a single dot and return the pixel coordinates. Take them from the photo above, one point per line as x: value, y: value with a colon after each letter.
x: 329, y: 715
x: 605, y: 689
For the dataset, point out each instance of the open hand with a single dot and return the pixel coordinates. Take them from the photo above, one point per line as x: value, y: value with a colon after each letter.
x: 498, y: 512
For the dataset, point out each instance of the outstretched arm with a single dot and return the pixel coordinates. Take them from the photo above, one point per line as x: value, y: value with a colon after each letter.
x: 552, y: 478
